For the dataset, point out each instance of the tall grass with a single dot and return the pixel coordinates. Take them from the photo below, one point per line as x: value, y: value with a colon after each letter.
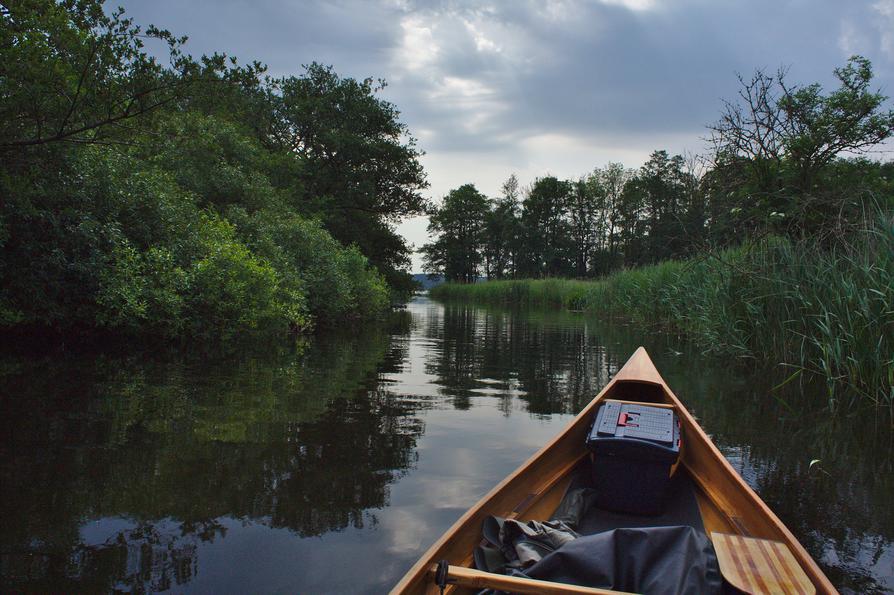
x: 825, y: 311
x: 558, y: 293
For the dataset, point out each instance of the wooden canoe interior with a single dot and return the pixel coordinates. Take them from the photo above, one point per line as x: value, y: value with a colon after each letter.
x: 726, y: 503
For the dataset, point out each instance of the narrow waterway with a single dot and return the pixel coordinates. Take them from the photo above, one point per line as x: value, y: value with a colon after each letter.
x: 331, y: 468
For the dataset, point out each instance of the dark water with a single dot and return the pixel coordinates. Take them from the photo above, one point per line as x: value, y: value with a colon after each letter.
x: 332, y: 468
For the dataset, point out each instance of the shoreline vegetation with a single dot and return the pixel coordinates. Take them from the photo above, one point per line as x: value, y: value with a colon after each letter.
x: 824, y: 312
x: 158, y: 195
x: 778, y: 245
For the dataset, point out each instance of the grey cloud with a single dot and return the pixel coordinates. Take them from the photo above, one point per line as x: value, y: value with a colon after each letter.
x: 281, y: 33
x: 508, y: 71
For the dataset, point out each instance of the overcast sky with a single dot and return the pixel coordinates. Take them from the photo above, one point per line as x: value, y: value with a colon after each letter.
x: 541, y: 87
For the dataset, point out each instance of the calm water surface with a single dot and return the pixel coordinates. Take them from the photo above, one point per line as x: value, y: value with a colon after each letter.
x: 333, y: 467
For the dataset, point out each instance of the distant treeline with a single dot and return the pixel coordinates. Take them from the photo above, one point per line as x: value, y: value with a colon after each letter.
x: 189, y: 197
x: 782, y: 163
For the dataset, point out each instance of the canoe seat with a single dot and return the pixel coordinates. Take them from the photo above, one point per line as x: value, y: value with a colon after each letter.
x: 760, y: 565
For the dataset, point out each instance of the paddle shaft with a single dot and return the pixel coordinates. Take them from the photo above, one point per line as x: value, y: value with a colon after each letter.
x: 478, y: 579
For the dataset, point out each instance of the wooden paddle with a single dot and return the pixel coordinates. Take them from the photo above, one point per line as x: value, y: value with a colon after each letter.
x: 760, y: 565
x: 478, y: 579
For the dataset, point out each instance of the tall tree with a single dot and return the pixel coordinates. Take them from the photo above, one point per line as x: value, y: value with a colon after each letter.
x: 502, y: 232
x: 585, y: 214
x: 360, y: 168
x: 611, y: 179
x: 632, y: 222
x: 546, y: 227
x: 457, y: 252
x: 661, y: 182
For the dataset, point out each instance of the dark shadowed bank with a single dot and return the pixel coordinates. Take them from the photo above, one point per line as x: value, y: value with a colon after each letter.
x: 820, y: 312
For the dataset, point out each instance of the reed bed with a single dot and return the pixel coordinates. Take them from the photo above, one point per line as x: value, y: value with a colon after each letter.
x: 820, y: 310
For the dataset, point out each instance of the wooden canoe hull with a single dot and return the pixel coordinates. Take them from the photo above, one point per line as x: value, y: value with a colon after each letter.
x: 727, y: 503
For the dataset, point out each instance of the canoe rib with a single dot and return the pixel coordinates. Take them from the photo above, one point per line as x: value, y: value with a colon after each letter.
x: 712, y: 473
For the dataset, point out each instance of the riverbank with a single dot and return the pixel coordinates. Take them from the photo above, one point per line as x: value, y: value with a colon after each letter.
x: 824, y: 312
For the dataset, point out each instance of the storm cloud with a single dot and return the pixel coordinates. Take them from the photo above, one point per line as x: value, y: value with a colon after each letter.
x: 538, y: 87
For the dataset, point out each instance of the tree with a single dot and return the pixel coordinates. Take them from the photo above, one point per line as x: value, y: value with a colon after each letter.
x: 502, y: 233
x: 694, y: 218
x: 360, y: 168
x: 817, y: 128
x: 632, y: 223
x: 585, y: 214
x: 70, y: 73
x: 661, y: 179
x: 457, y: 253
x: 783, y: 135
x: 611, y: 181
x: 546, y: 227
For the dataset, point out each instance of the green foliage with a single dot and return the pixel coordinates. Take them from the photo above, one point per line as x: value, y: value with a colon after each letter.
x: 194, y: 200
x: 141, y: 289
x: 339, y: 281
x: 368, y: 291
x: 824, y: 311
x: 458, y: 253
x: 231, y: 289
x: 360, y: 166
x: 817, y: 127
x: 546, y: 228
x: 69, y: 72
x: 216, y: 161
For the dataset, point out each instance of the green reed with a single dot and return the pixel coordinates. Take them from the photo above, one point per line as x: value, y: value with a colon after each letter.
x: 824, y: 310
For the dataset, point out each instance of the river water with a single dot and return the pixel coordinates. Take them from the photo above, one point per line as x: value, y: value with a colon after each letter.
x: 332, y: 467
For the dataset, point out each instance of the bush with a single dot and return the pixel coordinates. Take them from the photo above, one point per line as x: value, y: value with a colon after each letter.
x: 119, y: 245
x: 231, y: 290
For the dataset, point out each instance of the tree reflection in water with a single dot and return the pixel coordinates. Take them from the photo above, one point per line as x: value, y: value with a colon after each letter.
x: 155, y: 454
x: 554, y: 366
